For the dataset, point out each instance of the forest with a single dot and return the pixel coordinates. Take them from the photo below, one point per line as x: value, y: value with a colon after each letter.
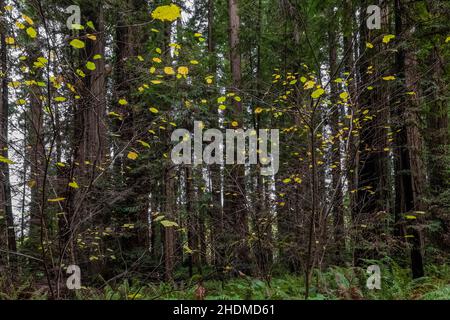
x: 224, y: 149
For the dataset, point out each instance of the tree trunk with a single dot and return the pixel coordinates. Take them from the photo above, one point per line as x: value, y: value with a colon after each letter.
x: 409, y: 183
x: 336, y: 194
x: 7, y: 229
x: 235, y: 209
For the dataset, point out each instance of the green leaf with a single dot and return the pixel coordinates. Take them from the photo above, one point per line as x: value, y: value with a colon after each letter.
x: 317, y: 93
x: 90, y: 24
x: 90, y: 65
x: 76, y: 43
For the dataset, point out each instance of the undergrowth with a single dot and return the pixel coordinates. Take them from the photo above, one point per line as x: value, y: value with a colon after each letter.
x: 331, y: 284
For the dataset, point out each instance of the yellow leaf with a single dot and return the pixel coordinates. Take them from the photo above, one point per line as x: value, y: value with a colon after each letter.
x: 27, y: 19
x: 114, y: 114
x: 56, y: 199
x: 123, y: 102
x: 194, y: 62
x: 132, y: 155
x: 410, y: 217
x: 157, y: 60
x: 31, y: 32
x: 369, y: 45
x: 167, y: 13
x: 287, y: 180
x: 222, y: 107
x: 389, y: 78
x: 168, y: 224
x: 447, y: 40
x: 344, y: 95
x: 14, y: 84
x: 91, y: 36
x: 6, y: 160
x: 20, y: 25
x: 143, y: 143
x: 221, y: 99
x: 183, y: 71
x: 42, y: 60
x: 387, y: 38
x: 153, y: 110
x: 10, y: 40
x: 169, y: 70
x: 234, y: 123
x: 187, y: 249
x: 76, y: 43
x: 308, y: 85
x: 317, y: 93
x: 258, y: 110
x: 152, y: 70
x: 156, y: 81
x: 74, y: 185
x: 133, y: 296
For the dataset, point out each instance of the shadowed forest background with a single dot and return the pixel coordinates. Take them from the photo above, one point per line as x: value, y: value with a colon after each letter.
x: 86, y: 177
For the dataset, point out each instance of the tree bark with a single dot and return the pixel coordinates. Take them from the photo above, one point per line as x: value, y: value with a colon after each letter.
x: 7, y: 228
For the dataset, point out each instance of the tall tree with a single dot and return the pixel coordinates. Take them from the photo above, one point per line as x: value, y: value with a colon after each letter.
x: 235, y: 203
x: 7, y: 229
x: 410, y: 180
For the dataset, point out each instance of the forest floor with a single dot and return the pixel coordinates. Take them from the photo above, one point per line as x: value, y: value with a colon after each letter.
x: 335, y: 283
